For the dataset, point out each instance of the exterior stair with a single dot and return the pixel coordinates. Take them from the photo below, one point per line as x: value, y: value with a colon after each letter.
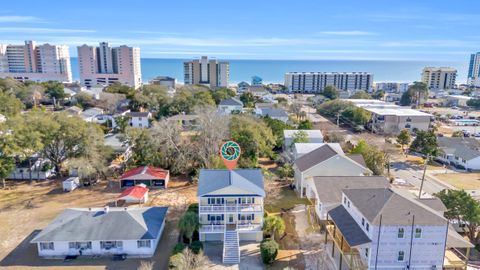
x: 231, y: 247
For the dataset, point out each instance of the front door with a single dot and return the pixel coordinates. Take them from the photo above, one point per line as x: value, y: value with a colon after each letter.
x: 230, y: 219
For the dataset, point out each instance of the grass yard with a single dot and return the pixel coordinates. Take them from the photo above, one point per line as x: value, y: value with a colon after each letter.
x: 280, y: 196
x: 465, y: 181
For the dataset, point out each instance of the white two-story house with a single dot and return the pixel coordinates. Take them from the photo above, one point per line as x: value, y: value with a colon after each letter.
x: 231, y: 208
x: 139, y: 119
x: 382, y: 228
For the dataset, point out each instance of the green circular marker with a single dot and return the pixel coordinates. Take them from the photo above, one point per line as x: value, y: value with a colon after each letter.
x: 230, y: 151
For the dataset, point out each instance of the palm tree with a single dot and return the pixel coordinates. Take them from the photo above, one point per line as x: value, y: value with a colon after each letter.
x: 274, y: 224
x: 188, y: 224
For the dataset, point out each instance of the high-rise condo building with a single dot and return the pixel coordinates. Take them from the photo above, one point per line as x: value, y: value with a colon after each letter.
x: 474, y: 69
x: 35, y: 62
x: 439, y: 78
x: 106, y: 65
x: 315, y: 82
x: 203, y: 71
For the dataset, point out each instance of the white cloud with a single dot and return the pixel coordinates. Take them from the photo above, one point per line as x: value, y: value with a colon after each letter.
x: 13, y: 18
x: 35, y: 30
x: 348, y: 33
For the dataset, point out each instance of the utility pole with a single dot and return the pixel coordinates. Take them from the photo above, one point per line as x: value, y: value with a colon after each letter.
x: 423, y: 177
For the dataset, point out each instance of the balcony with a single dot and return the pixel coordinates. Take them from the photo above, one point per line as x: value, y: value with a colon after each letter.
x: 212, y: 228
x: 226, y: 208
x: 220, y: 228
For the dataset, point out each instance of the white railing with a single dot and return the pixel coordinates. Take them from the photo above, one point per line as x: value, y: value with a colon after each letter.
x: 212, y: 228
x: 249, y: 227
x: 231, y: 208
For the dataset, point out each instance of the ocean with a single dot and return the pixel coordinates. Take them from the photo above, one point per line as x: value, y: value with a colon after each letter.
x: 273, y: 71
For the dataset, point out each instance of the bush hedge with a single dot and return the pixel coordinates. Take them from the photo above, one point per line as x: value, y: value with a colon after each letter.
x: 268, y: 251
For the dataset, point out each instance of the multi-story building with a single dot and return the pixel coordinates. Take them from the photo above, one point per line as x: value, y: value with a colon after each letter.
x: 209, y: 72
x: 106, y: 65
x: 439, y: 78
x: 388, y: 118
x: 474, y: 69
x: 391, y: 87
x: 382, y: 228
x: 35, y: 62
x: 164, y: 81
x: 315, y: 82
x: 231, y: 208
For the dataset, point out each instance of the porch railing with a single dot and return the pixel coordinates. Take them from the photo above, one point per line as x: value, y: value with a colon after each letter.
x: 231, y: 208
x: 212, y: 228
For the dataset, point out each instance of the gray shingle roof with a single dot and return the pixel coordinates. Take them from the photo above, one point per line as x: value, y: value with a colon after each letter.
x: 351, y: 232
x: 138, y: 114
x: 329, y: 188
x: 250, y: 180
x: 274, y: 112
x: 393, y: 208
x: 315, y: 157
x: 81, y: 224
x: 358, y: 158
x: 466, y: 148
x: 231, y: 102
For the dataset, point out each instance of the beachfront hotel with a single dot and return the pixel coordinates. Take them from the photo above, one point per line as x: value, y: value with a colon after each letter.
x: 439, y: 78
x: 209, y: 72
x: 35, y: 62
x: 315, y: 82
x: 106, y: 65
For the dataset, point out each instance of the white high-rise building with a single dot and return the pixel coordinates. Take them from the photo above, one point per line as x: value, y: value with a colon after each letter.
x: 315, y: 82
x: 210, y: 72
x: 35, y: 62
x: 441, y: 78
x: 106, y: 65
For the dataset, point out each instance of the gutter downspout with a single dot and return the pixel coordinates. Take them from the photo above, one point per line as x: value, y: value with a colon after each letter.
x: 445, y: 246
x: 411, y: 243
x: 378, y: 242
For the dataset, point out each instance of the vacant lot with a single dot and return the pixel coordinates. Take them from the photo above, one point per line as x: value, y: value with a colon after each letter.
x: 465, y: 181
x: 28, y: 208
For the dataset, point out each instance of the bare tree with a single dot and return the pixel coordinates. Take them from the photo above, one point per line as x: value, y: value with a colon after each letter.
x: 177, y: 153
x: 146, y: 265
x: 213, y: 129
x: 189, y: 260
x: 110, y: 101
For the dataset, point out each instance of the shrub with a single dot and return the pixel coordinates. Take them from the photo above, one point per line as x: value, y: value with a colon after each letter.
x: 268, y: 251
x: 178, y: 248
x: 175, y: 260
x: 196, y: 246
x: 193, y: 208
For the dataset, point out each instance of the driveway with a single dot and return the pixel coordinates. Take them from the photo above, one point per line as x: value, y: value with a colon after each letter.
x: 249, y: 257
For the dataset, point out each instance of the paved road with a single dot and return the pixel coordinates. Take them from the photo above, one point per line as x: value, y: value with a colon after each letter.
x: 413, y: 175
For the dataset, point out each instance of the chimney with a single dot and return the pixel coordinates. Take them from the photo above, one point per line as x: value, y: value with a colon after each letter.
x: 106, y: 209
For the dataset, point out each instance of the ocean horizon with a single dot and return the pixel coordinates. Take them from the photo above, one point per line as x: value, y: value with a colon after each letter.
x: 273, y: 71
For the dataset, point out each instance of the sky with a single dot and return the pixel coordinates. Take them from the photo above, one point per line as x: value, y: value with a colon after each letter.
x: 261, y: 29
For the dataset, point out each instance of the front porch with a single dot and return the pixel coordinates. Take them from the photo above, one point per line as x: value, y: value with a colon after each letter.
x: 343, y: 247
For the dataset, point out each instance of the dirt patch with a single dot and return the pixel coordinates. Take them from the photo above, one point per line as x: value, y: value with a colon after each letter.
x: 40, y: 202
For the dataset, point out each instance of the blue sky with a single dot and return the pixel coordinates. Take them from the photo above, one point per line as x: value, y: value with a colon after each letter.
x: 245, y: 29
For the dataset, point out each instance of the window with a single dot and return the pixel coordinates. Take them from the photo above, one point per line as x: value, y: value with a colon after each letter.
x: 366, y: 252
x: 47, y: 246
x: 143, y: 243
x: 401, y: 256
x: 80, y: 245
x: 345, y: 200
x: 418, y: 232
x: 368, y: 227
x: 401, y: 232
x: 363, y: 221
x: 348, y: 203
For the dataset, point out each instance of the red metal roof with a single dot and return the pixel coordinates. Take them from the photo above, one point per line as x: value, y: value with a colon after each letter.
x: 136, y: 192
x: 154, y: 173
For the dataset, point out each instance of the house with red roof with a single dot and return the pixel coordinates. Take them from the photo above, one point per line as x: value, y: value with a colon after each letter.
x: 136, y: 194
x: 147, y: 175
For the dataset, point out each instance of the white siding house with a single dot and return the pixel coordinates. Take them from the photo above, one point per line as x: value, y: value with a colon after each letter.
x: 230, y: 105
x: 231, y: 208
x: 313, y: 136
x: 139, y: 119
x: 89, y: 231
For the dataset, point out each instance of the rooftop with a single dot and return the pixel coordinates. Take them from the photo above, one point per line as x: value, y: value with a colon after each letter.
x: 392, y: 208
x: 311, y: 133
x: 303, y: 148
x: 231, y: 102
x: 239, y: 181
x: 107, y: 224
x: 138, y: 114
x: 274, y: 112
x: 144, y: 172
